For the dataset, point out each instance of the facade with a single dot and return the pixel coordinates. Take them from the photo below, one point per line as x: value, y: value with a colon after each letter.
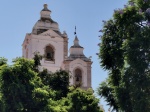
x: 47, y: 39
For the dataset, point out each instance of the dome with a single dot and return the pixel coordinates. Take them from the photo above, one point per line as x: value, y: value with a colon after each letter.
x: 45, y: 23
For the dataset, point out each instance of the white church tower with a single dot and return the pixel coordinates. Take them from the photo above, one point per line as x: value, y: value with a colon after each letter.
x: 47, y: 39
x: 79, y: 66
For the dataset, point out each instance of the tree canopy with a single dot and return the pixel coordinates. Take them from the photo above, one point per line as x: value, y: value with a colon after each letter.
x: 125, y: 54
x: 23, y: 88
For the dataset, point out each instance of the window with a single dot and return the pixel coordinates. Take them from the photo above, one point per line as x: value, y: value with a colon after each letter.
x: 78, y: 76
x: 49, y: 53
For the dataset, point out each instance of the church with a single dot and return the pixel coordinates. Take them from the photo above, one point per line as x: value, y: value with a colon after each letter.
x: 52, y: 44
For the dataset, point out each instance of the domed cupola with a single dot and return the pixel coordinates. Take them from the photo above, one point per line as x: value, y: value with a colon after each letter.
x: 45, y: 13
x: 45, y: 23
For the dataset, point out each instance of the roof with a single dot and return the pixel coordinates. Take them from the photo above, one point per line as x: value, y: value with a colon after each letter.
x: 76, y: 46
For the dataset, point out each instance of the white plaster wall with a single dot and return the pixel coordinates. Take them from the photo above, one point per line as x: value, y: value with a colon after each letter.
x: 78, y: 63
x: 45, y: 14
x: 76, y: 51
x: 28, y: 46
x: 38, y: 44
x: 23, y: 47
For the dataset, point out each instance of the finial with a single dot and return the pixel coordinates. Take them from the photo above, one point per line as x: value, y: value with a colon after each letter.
x: 45, y: 6
x: 75, y: 31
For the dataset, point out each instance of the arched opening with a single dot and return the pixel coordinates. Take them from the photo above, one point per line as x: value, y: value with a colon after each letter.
x: 49, y: 53
x: 78, y: 76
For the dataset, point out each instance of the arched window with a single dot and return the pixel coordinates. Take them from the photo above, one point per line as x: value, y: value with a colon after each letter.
x: 49, y: 53
x: 78, y: 76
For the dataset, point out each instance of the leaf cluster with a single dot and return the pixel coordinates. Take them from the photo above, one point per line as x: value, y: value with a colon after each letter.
x: 125, y: 54
x: 23, y: 88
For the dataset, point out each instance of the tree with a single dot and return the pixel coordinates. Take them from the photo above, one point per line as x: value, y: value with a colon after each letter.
x: 82, y: 101
x: 21, y: 88
x: 37, y: 58
x: 125, y: 54
x: 58, y: 81
x: 2, y: 61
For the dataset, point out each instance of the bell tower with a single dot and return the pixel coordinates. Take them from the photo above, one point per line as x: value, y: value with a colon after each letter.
x: 46, y: 39
x: 79, y: 66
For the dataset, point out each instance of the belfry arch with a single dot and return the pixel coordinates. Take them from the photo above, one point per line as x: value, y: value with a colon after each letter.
x: 78, y: 76
x: 49, y: 53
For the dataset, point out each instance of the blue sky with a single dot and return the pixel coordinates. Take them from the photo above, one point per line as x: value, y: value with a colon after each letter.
x: 18, y: 18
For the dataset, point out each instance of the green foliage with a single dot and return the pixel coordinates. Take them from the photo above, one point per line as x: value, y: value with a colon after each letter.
x: 82, y: 101
x: 77, y: 100
x: 58, y: 81
x: 23, y: 88
x: 37, y: 58
x: 2, y: 61
x: 2, y: 103
x: 19, y: 84
x: 58, y: 106
x: 108, y: 93
x: 125, y: 53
